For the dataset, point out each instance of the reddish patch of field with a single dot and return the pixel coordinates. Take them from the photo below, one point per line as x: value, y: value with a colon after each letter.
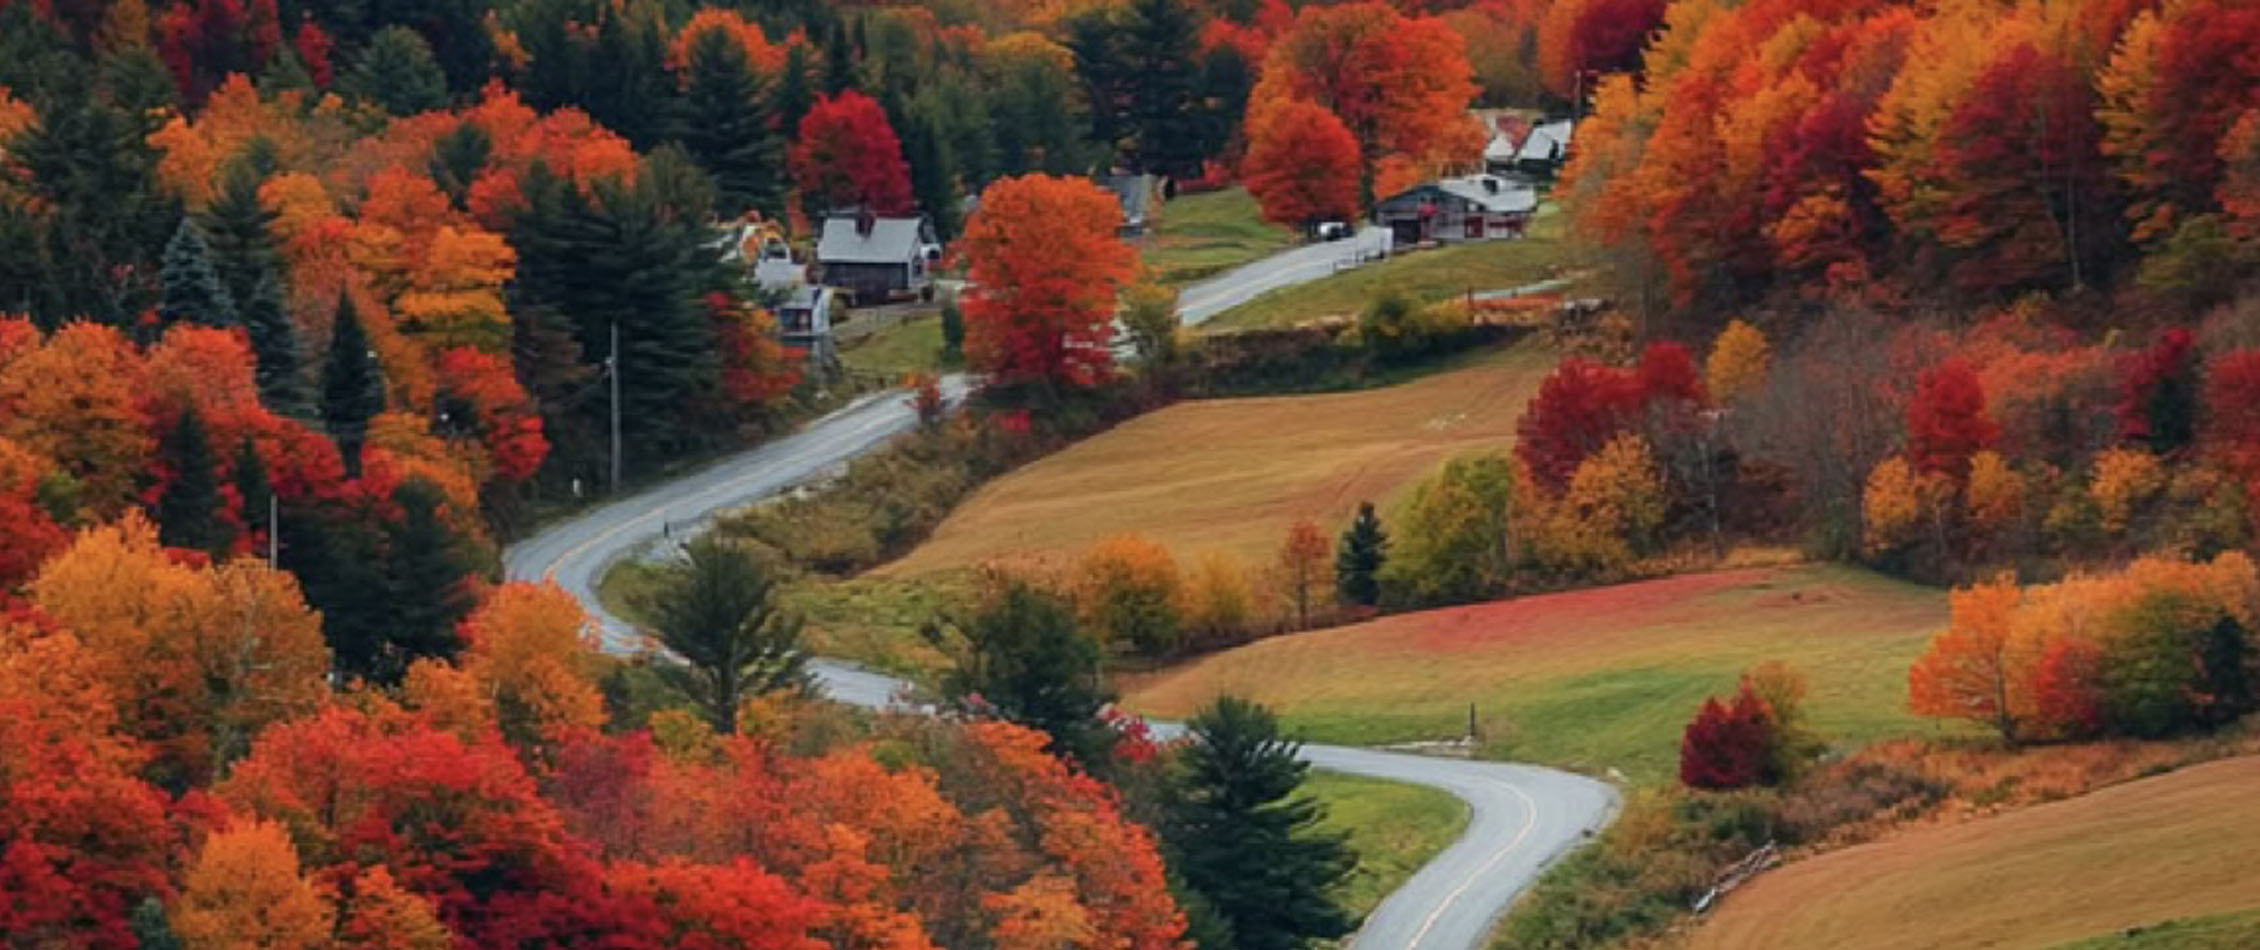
x: 1598, y: 678
x: 2177, y: 845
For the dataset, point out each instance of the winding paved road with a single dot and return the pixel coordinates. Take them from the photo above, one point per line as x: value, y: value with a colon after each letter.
x: 1204, y: 299
x: 1521, y: 817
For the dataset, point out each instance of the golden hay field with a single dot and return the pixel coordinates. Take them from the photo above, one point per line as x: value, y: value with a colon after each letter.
x: 2134, y: 854
x: 1231, y: 475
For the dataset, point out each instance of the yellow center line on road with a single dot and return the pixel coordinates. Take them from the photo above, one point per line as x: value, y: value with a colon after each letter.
x: 1529, y: 821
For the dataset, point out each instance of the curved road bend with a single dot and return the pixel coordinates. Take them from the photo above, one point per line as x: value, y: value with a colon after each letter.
x: 1521, y: 817
x: 1200, y: 300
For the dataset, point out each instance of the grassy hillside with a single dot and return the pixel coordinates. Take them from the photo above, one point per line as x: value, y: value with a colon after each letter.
x: 914, y: 345
x: 1393, y: 827
x: 1206, y: 234
x: 2238, y: 931
x: 1589, y: 679
x: 2177, y: 845
x: 1428, y: 275
x: 1233, y: 474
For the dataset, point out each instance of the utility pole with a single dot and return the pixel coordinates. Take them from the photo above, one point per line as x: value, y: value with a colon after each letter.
x: 612, y: 369
x: 274, y: 532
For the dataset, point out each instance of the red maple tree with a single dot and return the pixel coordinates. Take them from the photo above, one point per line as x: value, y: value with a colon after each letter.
x: 847, y: 154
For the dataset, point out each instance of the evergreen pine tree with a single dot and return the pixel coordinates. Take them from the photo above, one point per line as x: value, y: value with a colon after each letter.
x: 715, y: 608
x: 339, y: 561
x: 933, y: 172
x: 1358, y: 559
x: 188, y: 509
x: 1246, y: 842
x: 839, y: 61
x: 1159, y: 46
x: 238, y: 229
x: 425, y: 570
x: 794, y: 97
x: 147, y: 923
x: 398, y: 73
x: 286, y: 72
x: 726, y: 124
x: 274, y: 340
x: 1021, y: 658
x: 252, y: 487
x: 2225, y: 658
x: 953, y: 331
x: 457, y: 159
x: 352, y: 386
x: 636, y: 256
x: 629, y: 87
x: 193, y: 291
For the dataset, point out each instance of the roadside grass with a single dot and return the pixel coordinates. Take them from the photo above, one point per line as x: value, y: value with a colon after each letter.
x: 1394, y: 828
x: 1207, y: 234
x: 1231, y: 475
x: 1588, y: 680
x: 872, y: 621
x: 2175, y: 845
x: 1428, y: 275
x: 2236, y: 931
x: 914, y: 345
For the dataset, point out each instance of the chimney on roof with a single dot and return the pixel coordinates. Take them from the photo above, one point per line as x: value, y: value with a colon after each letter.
x: 865, y: 220
x: 1490, y: 184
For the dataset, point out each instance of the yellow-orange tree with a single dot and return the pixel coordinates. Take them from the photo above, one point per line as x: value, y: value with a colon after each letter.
x: 1045, y: 266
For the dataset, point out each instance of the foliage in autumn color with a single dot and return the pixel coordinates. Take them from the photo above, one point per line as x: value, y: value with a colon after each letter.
x: 1946, y: 420
x: 1045, y: 267
x: 1399, y: 84
x: 847, y: 155
x: 2156, y: 648
x: 1302, y: 166
x: 1726, y: 745
x: 1581, y: 405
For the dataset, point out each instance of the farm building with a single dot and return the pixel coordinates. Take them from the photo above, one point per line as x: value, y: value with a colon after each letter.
x: 1544, y: 150
x: 1474, y: 208
x: 1136, y: 193
x: 873, y: 259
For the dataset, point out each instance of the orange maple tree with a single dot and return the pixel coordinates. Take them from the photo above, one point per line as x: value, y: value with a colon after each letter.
x: 1302, y: 165
x: 1044, y: 265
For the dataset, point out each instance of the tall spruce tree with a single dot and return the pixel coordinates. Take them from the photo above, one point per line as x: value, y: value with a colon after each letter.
x: 636, y: 256
x: 339, y: 560
x: 426, y: 568
x: 274, y: 341
x: 1358, y: 559
x: 253, y: 488
x: 398, y: 73
x: 839, y: 60
x: 933, y: 171
x: 352, y: 386
x: 715, y: 607
x: 628, y: 86
x: 457, y: 159
x: 1159, y: 46
x: 794, y: 94
x: 1021, y: 658
x: 193, y: 291
x: 727, y: 124
x: 1246, y: 841
x: 238, y: 229
x: 189, y: 507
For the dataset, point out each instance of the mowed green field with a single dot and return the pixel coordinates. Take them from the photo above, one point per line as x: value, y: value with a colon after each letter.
x: 1393, y: 827
x: 1591, y: 679
x: 2236, y: 931
x: 1428, y: 275
x: 2176, y: 845
x: 911, y: 346
x: 1206, y: 234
